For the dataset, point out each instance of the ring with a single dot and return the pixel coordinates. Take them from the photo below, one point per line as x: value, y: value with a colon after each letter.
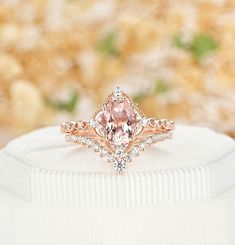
x: 118, y: 130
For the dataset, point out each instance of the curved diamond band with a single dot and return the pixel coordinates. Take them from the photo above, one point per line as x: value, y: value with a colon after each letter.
x: 118, y: 130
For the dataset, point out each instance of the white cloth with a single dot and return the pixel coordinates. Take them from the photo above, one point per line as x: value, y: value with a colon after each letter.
x: 196, y: 164
x: 210, y: 222
x: 175, y: 193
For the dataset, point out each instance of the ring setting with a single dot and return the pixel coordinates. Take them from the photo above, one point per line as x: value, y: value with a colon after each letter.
x: 118, y: 130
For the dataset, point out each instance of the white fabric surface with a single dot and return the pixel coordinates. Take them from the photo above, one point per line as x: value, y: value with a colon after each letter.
x: 210, y: 222
x: 196, y: 164
x: 42, y: 168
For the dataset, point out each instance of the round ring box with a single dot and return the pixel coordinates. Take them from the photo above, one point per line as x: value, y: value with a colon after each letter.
x: 168, y: 186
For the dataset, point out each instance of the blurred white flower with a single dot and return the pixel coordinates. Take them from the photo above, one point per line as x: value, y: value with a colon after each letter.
x: 27, y: 104
x: 10, y: 68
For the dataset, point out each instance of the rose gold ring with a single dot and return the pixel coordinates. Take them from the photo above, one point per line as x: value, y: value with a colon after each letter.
x: 118, y: 131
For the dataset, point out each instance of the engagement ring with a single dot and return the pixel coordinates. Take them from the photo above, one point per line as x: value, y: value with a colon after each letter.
x: 118, y: 131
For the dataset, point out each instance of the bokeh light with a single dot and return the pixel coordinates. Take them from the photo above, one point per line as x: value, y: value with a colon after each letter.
x: 60, y: 58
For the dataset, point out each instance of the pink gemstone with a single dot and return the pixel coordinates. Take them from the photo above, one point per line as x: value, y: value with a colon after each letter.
x: 118, y: 121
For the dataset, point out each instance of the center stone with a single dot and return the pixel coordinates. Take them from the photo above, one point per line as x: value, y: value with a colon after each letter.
x: 118, y: 121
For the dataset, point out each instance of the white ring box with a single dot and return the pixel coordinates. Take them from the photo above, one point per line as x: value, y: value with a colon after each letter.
x: 171, y: 194
x: 196, y: 164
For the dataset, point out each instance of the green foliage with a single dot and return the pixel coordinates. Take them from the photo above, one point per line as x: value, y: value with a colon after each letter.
x: 107, y: 45
x: 67, y: 106
x: 139, y: 97
x: 201, y: 45
x: 161, y: 87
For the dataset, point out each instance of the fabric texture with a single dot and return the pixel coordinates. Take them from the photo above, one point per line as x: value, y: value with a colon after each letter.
x: 180, y: 191
x: 208, y: 222
x: 196, y: 164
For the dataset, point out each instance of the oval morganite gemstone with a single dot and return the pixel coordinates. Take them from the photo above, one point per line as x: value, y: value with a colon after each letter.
x: 118, y: 121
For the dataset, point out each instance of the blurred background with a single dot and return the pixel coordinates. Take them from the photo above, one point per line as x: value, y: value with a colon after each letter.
x: 60, y: 58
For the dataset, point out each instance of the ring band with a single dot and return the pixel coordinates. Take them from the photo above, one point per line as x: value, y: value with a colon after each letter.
x: 118, y: 130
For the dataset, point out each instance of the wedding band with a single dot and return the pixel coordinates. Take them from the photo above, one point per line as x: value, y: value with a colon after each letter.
x: 118, y: 130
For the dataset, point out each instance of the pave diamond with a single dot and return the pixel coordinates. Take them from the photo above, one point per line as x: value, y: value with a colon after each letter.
x: 119, y: 152
x: 144, y: 121
x: 111, y: 158
x: 142, y: 146
x: 135, y: 152
x: 119, y: 165
x: 128, y: 158
x: 104, y: 152
x: 149, y: 140
x: 89, y: 142
x: 117, y: 91
x: 96, y: 147
x: 92, y: 123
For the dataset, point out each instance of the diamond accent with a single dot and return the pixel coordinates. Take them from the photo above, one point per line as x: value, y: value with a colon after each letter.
x: 96, y: 147
x: 92, y: 123
x: 117, y: 91
x: 104, y: 152
x: 144, y: 121
x: 119, y: 165
x: 119, y: 157
x: 111, y: 158
x: 119, y: 152
x: 142, y: 146
x: 149, y: 140
x: 128, y: 158
x: 135, y: 152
